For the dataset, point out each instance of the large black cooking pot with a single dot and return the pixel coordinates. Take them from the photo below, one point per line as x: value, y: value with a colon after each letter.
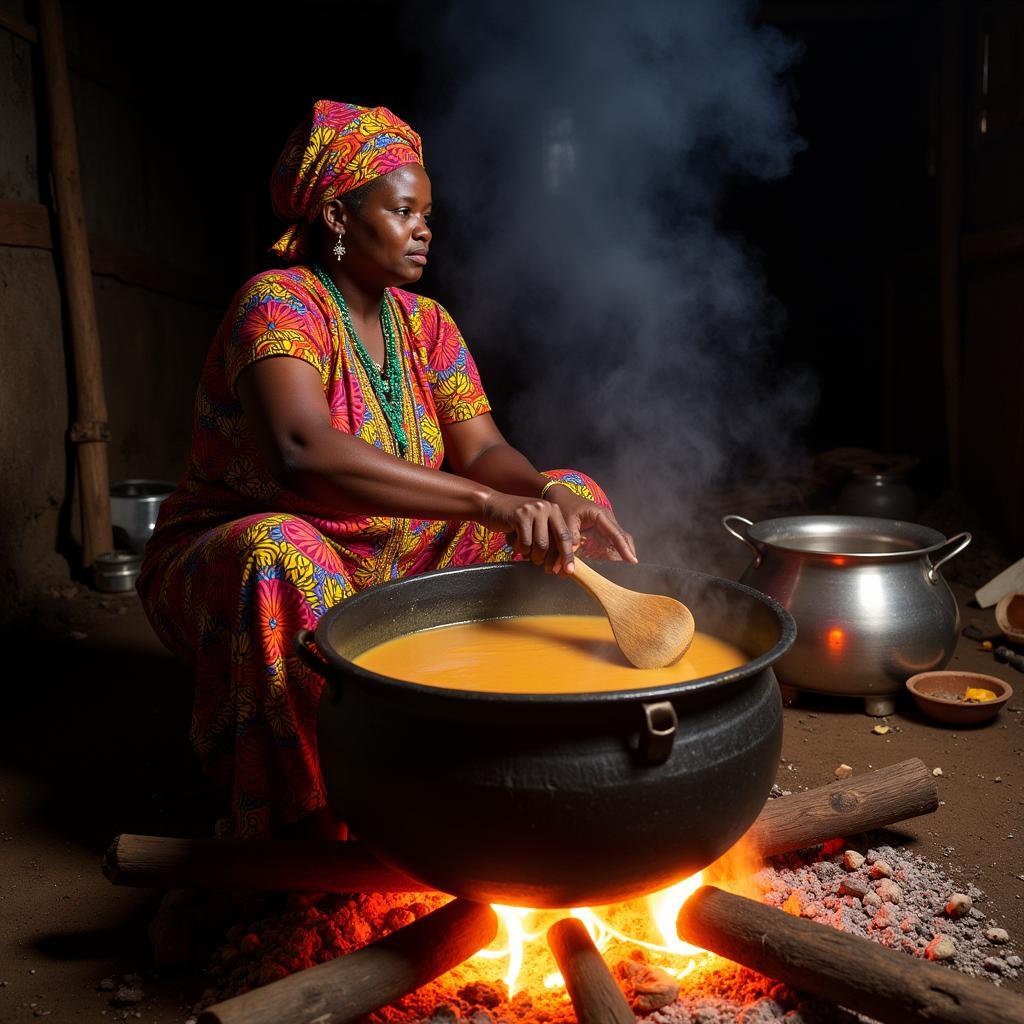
x: 548, y: 800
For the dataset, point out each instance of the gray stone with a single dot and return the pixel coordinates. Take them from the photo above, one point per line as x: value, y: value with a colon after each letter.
x: 941, y: 947
x: 127, y: 996
x: 959, y: 905
x: 852, y: 860
x: 888, y: 891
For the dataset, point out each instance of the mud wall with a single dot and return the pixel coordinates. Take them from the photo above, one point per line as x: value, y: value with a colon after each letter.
x: 159, y: 276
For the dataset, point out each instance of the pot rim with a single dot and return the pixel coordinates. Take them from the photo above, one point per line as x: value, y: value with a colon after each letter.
x: 748, y: 669
x: 151, y: 489
x: 931, y: 539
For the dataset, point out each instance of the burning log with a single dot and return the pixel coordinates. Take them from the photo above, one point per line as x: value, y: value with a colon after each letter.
x: 857, y: 804
x: 264, y: 865
x: 882, y: 983
x: 596, y: 997
x: 351, y: 986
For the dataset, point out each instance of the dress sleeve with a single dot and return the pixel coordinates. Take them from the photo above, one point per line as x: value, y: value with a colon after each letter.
x: 275, y: 316
x: 455, y: 380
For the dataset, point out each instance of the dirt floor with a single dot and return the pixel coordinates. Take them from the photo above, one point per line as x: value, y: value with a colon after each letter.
x: 92, y: 743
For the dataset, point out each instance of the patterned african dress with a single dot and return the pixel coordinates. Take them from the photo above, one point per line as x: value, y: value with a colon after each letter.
x: 237, y: 564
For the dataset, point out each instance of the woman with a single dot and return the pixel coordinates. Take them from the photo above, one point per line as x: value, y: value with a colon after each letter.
x: 329, y: 399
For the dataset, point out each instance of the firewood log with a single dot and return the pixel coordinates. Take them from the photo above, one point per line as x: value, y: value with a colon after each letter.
x: 854, y: 972
x: 595, y: 995
x: 856, y: 804
x: 351, y: 986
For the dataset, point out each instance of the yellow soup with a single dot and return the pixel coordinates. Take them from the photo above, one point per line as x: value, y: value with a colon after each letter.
x: 536, y: 654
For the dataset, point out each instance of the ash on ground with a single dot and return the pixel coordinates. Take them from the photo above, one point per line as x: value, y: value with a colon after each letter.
x: 886, y: 895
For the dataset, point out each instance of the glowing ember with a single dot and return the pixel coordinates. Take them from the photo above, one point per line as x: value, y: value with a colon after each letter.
x: 648, y: 923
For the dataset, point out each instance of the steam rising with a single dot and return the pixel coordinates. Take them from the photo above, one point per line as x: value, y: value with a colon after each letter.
x: 579, y: 153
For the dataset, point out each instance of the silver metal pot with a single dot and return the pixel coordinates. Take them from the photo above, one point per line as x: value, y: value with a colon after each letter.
x: 870, y: 604
x: 116, y: 571
x: 134, y: 505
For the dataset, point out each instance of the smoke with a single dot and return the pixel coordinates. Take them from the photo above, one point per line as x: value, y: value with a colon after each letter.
x: 580, y: 152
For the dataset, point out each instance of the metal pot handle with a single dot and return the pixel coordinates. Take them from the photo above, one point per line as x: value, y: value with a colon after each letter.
x: 960, y: 540
x: 743, y: 535
x: 660, y: 724
x: 307, y: 652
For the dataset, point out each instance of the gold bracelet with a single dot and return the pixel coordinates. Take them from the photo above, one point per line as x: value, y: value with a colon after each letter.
x: 551, y: 483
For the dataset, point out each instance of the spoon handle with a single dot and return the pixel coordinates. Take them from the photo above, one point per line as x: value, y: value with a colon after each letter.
x: 589, y: 579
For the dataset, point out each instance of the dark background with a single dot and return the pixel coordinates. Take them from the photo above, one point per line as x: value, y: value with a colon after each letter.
x: 898, y: 198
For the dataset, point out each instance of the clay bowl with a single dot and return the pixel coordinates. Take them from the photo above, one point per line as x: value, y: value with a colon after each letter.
x: 1010, y: 617
x: 938, y: 696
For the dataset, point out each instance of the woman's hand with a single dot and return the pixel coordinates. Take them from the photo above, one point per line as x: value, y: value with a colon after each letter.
x: 582, y: 515
x: 536, y: 528
x: 547, y: 532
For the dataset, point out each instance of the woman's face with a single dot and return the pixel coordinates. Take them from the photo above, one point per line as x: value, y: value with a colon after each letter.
x: 388, y: 236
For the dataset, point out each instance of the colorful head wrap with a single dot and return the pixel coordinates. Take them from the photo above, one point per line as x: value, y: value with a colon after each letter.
x: 338, y: 148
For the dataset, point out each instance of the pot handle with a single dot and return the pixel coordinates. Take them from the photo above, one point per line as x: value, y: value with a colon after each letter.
x: 959, y: 542
x: 307, y: 653
x: 742, y: 535
x: 660, y: 723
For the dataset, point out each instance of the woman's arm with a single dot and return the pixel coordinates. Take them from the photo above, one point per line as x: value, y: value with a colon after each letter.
x: 477, y: 449
x: 290, y: 420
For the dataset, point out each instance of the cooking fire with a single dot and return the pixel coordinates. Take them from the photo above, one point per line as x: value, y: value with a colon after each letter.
x: 646, y: 926
x: 515, y: 978
x: 794, y: 923
x: 895, y: 899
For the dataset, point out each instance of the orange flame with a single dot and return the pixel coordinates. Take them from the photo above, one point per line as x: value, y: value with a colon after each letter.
x: 649, y: 924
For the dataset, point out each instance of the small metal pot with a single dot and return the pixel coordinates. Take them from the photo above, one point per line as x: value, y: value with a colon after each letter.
x: 115, y: 572
x: 547, y: 800
x: 134, y: 505
x: 870, y: 604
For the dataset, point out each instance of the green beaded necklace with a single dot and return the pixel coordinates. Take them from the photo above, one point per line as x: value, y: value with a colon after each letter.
x: 387, y: 386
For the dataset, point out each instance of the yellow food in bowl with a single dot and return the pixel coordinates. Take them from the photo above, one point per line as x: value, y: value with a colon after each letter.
x: 975, y: 694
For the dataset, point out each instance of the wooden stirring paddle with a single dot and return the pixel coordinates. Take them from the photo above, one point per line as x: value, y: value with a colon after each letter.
x: 652, y: 631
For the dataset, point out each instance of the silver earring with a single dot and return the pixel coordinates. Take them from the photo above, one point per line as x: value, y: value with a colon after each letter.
x: 339, y: 250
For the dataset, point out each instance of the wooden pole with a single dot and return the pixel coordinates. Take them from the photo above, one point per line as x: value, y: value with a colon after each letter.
x: 857, y: 973
x: 950, y: 216
x: 351, y: 986
x: 90, y: 432
x: 853, y: 805
x: 264, y: 865
x: 843, y: 808
x: 596, y: 997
